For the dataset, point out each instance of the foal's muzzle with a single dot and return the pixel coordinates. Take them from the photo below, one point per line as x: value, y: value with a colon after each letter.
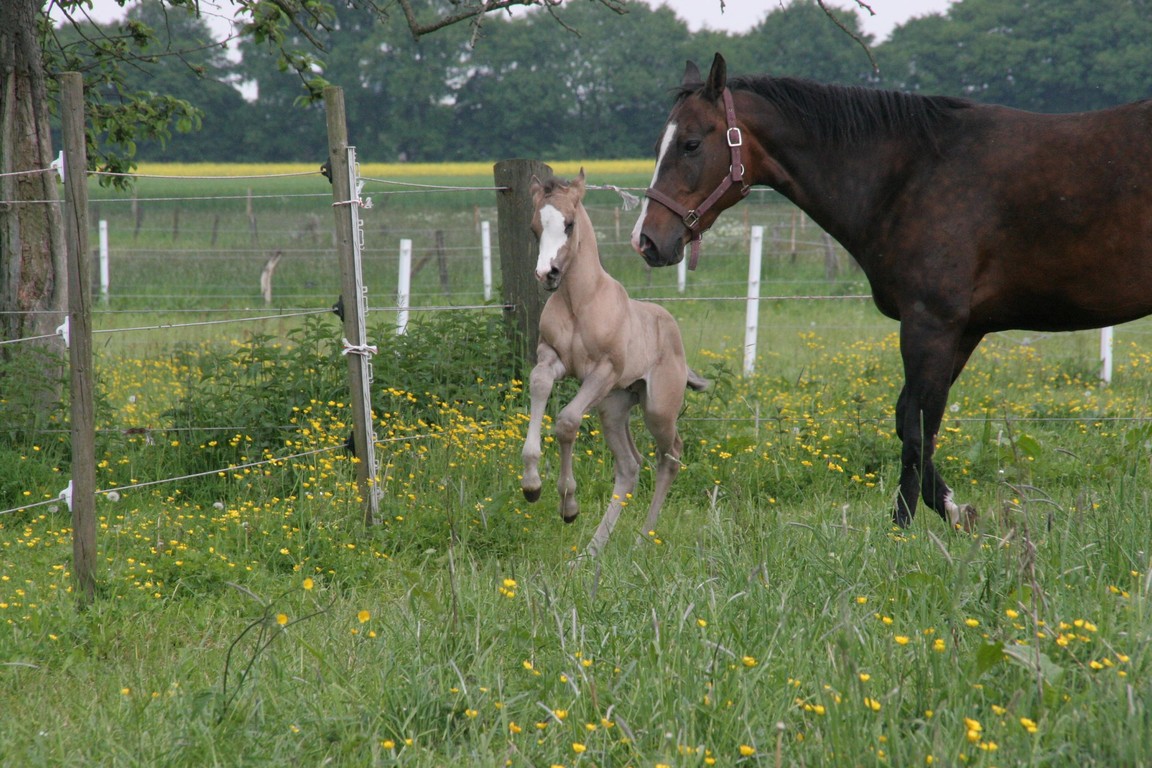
x: 550, y: 280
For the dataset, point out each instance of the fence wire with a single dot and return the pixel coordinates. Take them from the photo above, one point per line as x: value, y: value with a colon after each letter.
x: 784, y: 239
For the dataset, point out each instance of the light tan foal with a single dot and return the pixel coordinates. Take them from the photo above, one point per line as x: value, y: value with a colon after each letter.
x: 624, y: 353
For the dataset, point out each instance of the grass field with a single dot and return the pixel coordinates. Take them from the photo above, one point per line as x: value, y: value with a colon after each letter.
x: 773, y: 618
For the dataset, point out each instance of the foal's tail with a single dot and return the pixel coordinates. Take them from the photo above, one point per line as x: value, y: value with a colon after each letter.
x: 696, y: 382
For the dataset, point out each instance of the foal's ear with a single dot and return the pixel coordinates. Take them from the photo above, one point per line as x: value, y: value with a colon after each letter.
x: 717, y: 79
x: 692, y: 77
x: 578, y: 184
x: 535, y: 187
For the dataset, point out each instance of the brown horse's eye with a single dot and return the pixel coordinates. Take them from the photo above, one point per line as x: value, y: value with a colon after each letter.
x: 692, y: 145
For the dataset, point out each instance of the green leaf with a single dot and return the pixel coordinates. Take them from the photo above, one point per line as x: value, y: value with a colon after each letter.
x: 1033, y: 660
x: 987, y: 656
x: 1028, y: 446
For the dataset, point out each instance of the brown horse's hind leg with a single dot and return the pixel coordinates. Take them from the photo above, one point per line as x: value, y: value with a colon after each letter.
x: 919, y: 412
x: 614, y: 412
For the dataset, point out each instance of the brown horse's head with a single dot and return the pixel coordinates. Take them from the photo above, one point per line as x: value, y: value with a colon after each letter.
x: 694, y: 159
x: 554, y: 223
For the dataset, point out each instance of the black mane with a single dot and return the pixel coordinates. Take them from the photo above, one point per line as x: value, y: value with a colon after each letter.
x: 846, y: 115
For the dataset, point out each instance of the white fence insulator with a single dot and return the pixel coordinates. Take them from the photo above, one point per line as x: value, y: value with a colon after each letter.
x: 58, y: 165
x: 64, y: 330
x: 66, y: 495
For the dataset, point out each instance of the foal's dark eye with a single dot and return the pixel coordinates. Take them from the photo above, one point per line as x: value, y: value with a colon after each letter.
x: 567, y: 228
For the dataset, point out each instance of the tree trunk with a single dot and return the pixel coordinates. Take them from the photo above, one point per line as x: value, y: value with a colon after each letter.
x: 33, y: 288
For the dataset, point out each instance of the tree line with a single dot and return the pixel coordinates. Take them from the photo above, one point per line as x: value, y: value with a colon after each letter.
x: 584, y: 80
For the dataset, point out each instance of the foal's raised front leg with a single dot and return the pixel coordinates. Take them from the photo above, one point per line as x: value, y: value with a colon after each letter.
x: 547, y: 371
x: 595, y: 387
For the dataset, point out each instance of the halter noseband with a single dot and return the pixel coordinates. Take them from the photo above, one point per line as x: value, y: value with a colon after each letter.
x: 691, y: 218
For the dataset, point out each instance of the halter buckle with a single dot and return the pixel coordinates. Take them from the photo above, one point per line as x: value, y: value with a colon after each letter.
x: 735, y: 137
x: 691, y: 220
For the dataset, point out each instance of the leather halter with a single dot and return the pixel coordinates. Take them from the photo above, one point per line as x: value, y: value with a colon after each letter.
x: 691, y: 218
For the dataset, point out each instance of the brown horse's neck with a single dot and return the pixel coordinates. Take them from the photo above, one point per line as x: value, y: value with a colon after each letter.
x: 841, y: 187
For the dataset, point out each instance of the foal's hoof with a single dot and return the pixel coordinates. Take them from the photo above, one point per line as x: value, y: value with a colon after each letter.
x: 569, y: 508
x: 531, y: 494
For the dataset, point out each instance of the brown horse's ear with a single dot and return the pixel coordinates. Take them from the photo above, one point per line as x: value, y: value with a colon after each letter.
x: 717, y: 79
x: 692, y: 78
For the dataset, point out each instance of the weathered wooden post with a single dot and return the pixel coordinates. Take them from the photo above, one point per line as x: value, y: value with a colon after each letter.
x: 83, y: 486
x: 523, y: 298
x: 357, y: 351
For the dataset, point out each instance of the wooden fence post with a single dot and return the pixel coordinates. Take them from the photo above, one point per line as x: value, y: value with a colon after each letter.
x: 523, y: 299
x: 83, y: 486
x: 347, y: 247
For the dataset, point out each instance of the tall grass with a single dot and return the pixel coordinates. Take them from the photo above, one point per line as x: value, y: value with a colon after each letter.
x: 775, y: 618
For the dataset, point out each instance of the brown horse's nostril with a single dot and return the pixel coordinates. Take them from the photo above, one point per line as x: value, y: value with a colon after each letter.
x: 647, y: 249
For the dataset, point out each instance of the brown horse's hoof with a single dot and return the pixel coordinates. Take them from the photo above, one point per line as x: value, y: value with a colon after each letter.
x: 968, y: 519
x: 531, y: 494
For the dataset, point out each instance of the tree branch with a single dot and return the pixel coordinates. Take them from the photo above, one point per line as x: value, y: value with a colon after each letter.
x: 850, y: 33
x: 478, y: 8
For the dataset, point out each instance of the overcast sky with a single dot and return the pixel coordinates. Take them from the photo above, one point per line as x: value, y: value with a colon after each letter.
x: 737, y: 16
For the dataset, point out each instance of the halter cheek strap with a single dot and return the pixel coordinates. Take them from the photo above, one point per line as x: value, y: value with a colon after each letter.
x: 692, y: 218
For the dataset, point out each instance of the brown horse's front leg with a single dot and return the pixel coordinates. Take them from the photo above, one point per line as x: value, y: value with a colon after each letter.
x: 548, y: 369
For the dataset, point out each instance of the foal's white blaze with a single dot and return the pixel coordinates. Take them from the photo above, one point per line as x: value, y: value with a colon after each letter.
x: 665, y: 143
x: 552, y: 239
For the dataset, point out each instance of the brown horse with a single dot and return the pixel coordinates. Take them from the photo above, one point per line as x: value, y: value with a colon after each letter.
x: 966, y: 218
x: 624, y: 353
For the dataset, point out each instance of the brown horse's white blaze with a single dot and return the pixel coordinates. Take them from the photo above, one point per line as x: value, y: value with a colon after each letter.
x: 966, y: 218
x: 624, y: 353
x: 665, y: 143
